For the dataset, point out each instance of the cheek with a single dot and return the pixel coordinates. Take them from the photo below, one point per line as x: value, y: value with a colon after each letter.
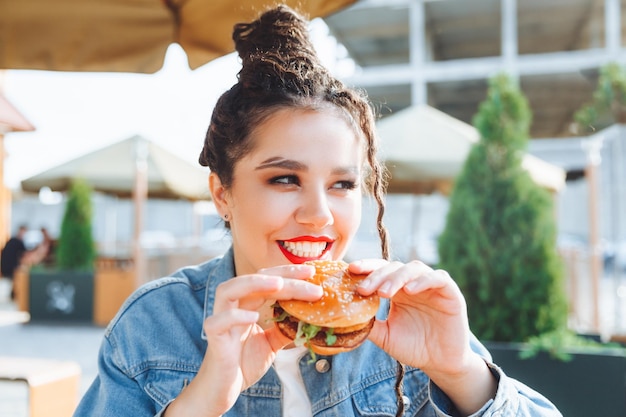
x: 349, y: 216
x: 265, y: 209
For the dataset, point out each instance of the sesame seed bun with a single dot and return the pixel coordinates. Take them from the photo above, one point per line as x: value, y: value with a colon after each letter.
x: 347, y: 314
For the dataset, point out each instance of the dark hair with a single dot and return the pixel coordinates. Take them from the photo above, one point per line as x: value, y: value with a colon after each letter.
x: 281, y: 69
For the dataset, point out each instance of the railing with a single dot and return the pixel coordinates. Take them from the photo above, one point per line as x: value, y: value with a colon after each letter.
x: 610, y: 303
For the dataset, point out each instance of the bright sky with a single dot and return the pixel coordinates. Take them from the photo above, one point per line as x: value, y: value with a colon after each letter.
x: 75, y: 112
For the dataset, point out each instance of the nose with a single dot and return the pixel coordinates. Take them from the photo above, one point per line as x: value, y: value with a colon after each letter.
x: 315, y: 209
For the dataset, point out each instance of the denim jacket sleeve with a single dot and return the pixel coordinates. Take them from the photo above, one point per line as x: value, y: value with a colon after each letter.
x: 147, y: 357
x: 513, y: 398
x: 113, y: 393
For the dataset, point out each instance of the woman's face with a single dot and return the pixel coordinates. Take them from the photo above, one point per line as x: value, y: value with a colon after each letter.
x: 297, y: 195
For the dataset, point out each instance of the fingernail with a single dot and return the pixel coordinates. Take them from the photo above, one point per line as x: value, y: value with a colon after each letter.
x: 365, y: 284
x: 252, y: 316
x: 385, y: 287
x: 412, y: 286
x: 313, y: 288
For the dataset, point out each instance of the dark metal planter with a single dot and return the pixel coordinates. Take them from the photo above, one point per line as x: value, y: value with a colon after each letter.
x: 593, y: 383
x: 61, y: 296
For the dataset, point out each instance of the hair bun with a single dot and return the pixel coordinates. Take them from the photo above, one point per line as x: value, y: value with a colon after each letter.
x: 276, y: 52
x: 280, y: 30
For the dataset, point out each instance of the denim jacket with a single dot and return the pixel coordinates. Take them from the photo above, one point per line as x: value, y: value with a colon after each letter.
x: 154, y: 347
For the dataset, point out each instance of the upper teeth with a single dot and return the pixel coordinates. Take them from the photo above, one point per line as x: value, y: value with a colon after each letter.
x: 305, y: 249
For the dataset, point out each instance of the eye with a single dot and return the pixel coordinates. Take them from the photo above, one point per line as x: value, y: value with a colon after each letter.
x: 345, y: 185
x: 285, y: 179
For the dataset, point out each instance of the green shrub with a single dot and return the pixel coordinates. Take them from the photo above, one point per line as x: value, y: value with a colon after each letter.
x: 560, y: 344
x: 608, y: 105
x: 76, y: 249
x: 499, y: 241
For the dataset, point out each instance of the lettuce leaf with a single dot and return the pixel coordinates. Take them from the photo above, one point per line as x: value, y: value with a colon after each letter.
x: 305, y: 333
x: 330, y: 337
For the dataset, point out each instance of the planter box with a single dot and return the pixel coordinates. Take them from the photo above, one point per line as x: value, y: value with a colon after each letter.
x: 114, y: 283
x: 591, y: 384
x: 61, y: 296
x: 20, y: 286
x: 76, y: 296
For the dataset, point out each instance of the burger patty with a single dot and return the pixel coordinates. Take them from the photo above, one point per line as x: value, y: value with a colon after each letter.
x: 289, y: 327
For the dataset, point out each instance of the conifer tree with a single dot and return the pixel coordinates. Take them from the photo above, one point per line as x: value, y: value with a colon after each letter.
x: 499, y: 241
x: 76, y: 248
x: 608, y: 105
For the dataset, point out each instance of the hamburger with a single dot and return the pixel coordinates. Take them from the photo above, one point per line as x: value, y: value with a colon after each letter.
x: 339, y: 321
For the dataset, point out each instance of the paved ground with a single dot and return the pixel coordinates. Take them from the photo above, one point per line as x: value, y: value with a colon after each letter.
x: 19, y: 338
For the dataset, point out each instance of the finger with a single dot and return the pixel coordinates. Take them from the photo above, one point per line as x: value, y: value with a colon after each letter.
x: 438, y: 279
x: 290, y: 271
x: 388, y: 280
x: 299, y: 290
x: 263, y: 287
x: 379, y: 333
x: 366, y: 266
x: 223, y: 323
x: 396, y: 280
x: 228, y: 294
x: 276, y: 339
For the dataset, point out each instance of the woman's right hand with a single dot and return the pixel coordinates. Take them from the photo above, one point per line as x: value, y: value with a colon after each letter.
x: 240, y: 350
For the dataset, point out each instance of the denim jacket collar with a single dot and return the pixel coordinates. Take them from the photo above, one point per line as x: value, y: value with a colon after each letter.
x: 223, y: 271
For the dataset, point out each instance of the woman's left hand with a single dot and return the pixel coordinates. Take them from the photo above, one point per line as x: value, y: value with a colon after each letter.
x: 427, y: 326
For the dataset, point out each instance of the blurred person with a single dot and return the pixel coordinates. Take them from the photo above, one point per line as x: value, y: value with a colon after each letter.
x: 44, y: 252
x: 291, y: 151
x: 13, y: 255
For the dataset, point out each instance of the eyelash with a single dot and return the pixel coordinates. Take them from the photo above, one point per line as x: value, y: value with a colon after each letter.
x: 348, y: 185
x: 293, y: 179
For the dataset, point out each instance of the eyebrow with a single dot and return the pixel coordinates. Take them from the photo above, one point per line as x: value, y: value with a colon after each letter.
x: 278, y: 162
x: 290, y: 164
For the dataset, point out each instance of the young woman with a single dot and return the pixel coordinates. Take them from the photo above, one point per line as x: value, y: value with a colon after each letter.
x: 291, y: 151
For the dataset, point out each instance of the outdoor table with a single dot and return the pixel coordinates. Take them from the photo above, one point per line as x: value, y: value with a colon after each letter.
x: 53, y: 385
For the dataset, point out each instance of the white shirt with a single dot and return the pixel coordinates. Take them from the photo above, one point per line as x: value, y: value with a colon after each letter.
x: 296, y: 401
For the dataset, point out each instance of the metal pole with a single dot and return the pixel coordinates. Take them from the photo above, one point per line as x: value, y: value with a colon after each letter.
x: 140, y: 195
x: 417, y: 51
x: 592, y: 148
x: 618, y: 226
x: 509, y: 47
x: 5, y: 199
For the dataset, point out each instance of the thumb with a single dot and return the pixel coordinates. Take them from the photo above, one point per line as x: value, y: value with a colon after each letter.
x: 379, y: 334
x: 276, y: 339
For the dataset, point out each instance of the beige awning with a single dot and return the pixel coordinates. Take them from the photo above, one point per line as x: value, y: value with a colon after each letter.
x: 425, y: 149
x: 126, y: 36
x: 112, y: 170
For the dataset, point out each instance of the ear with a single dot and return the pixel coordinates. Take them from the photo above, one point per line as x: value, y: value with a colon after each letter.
x: 219, y: 194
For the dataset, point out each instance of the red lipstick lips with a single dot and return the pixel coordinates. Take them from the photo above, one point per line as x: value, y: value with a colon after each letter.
x: 305, y: 248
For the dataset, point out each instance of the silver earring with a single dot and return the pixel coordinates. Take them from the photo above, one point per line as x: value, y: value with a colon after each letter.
x: 226, y: 217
